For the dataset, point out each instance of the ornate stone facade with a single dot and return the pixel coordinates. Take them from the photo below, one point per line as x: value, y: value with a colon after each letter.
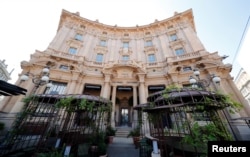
x: 124, y: 64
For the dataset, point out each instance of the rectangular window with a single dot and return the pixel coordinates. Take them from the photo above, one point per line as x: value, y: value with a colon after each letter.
x: 187, y: 68
x: 64, y: 67
x: 72, y: 50
x: 151, y: 58
x: 179, y: 51
x: 125, y: 57
x: 78, y: 37
x: 99, y: 57
x: 103, y: 43
x: 125, y: 44
x: 57, y: 88
x: 149, y: 43
x: 173, y: 37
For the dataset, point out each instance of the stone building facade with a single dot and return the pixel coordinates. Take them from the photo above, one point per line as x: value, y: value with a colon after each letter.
x: 124, y: 64
x: 242, y: 82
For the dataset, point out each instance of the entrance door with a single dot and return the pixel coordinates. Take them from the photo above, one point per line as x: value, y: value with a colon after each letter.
x: 124, y: 117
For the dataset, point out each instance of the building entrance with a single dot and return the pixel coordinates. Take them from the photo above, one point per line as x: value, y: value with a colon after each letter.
x: 124, y: 117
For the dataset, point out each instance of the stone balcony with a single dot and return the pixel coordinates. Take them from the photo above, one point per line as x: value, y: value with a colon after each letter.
x: 185, y: 56
x: 64, y: 55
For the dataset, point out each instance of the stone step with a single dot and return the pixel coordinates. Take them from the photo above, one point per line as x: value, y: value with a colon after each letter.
x: 122, y: 132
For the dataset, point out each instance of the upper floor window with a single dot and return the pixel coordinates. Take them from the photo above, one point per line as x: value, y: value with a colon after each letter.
x: 126, y: 34
x: 82, y: 26
x: 99, y: 57
x: 149, y: 43
x: 57, y: 88
x: 125, y: 44
x: 187, y: 68
x: 78, y: 37
x: 64, y: 67
x: 147, y: 33
x: 173, y: 37
x: 179, y: 51
x: 244, y: 91
x: 72, y: 50
x: 151, y: 58
x: 171, y: 26
x: 125, y: 57
x: 103, y: 43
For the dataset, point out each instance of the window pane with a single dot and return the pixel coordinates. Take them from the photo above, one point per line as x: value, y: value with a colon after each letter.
x: 187, y: 68
x: 179, y: 51
x: 151, y: 58
x: 149, y: 43
x: 99, y: 57
x: 173, y: 37
x: 72, y: 50
x: 63, y: 67
x: 78, y: 37
x: 57, y: 88
x: 125, y: 44
x: 125, y: 58
x: 103, y: 42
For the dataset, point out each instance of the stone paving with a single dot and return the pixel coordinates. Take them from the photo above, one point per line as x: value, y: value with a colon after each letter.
x: 122, y: 147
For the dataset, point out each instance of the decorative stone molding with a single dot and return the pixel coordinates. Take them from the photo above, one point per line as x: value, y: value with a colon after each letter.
x: 150, y: 49
x: 125, y: 51
x: 101, y: 49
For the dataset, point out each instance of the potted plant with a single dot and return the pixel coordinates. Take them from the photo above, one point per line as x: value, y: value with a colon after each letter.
x: 102, y: 149
x: 135, y: 134
x: 110, y: 133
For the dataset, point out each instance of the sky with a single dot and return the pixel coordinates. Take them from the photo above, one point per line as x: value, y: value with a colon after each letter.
x: 30, y: 25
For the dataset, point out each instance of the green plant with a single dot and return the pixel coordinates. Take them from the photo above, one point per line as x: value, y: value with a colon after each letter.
x: 110, y: 131
x: 52, y: 153
x: 134, y: 133
x: 200, y: 135
x: 65, y: 102
x: 28, y: 99
x: 102, y: 148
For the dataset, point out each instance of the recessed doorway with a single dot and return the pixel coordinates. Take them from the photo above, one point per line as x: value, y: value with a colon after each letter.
x: 124, y: 117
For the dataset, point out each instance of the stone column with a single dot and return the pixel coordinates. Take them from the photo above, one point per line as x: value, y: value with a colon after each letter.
x: 135, y: 114
x: 142, y: 92
x: 113, y: 106
x: 106, y: 87
x: 72, y: 87
x: 143, y: 99
x: 81, y: 87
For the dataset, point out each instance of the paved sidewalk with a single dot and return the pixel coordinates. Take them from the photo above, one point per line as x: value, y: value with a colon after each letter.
x: 122, y: 147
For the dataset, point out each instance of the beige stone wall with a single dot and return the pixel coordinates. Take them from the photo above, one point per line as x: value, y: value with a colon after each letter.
x: 168, y: 68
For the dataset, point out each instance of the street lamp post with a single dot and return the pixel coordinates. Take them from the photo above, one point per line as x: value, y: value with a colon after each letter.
x: 199, y: 83
x: 38, y: 80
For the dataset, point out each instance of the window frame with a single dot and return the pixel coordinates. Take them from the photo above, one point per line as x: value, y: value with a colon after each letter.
x: 72, y: 50
x: 78, y: 37
x: 103, y: 43
x: 179, y: 51
x: 99, y: 58
x: 173, y: 37
x: 58, y: 87
x: 148, y: 43
x: 125, y: 57
x: 151, y: 58
x: 63, y: 67
x: 125, y: 44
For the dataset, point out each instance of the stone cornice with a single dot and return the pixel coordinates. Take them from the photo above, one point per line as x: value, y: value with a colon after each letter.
x: 183, y: 17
